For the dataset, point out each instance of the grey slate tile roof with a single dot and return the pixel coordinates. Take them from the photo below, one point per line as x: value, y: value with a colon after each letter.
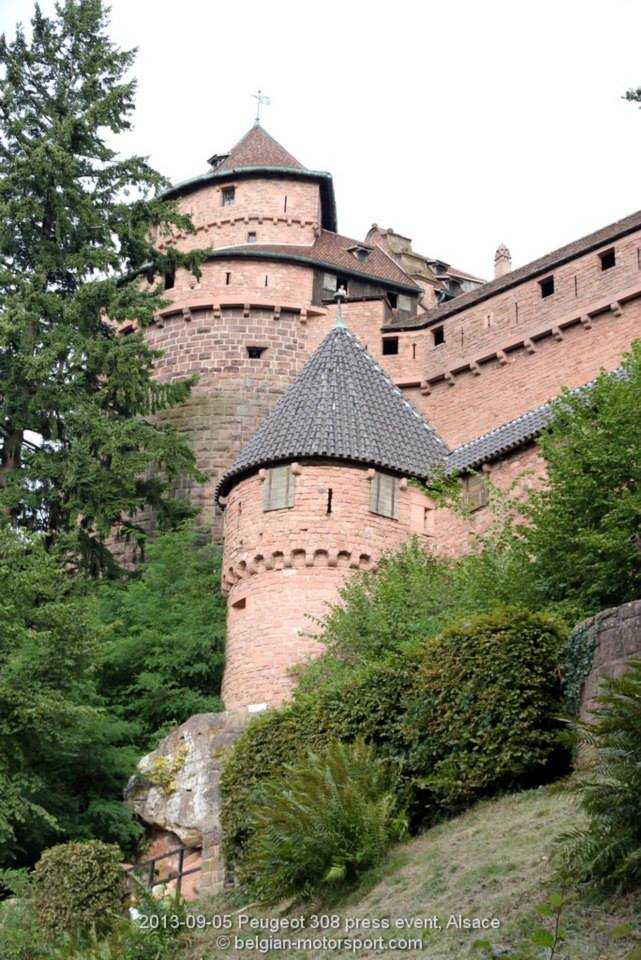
x: 342, y: 406
x: 501, y: 440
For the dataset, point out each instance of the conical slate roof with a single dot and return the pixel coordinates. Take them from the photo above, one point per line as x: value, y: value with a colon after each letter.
x: 342, y: 406
x: 258, y: 149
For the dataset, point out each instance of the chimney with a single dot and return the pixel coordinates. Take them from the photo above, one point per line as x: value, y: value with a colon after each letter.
x: 502, y: 261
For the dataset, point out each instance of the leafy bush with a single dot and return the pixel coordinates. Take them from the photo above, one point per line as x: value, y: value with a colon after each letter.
x: 606, y: 855
x: 370, y: 703
x: 78, y: 886
x: 467, y: 714
x: 482, y: 714
x: 163, y: 637
x: 327, y: 819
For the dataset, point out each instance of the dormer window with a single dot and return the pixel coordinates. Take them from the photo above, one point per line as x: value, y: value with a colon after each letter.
x: 278, y: 488
x: 361, y: 253
x: 227, y: 196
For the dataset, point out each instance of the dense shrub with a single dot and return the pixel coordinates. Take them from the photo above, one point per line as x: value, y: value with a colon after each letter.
x: 328, y: 818
x: 370, y: 703
x: 78, y: 886
x: 163, y: 633
x: 482, y: 715
x: 606, y: 855
x: 467, y: 714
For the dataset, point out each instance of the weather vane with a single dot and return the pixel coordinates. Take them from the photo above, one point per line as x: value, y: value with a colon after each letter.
x: 262, y: 101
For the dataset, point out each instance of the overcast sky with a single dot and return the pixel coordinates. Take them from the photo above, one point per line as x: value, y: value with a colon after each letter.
x: 460, y: 123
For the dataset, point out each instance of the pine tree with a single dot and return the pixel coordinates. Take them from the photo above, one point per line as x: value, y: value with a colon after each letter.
x: 80, y: 452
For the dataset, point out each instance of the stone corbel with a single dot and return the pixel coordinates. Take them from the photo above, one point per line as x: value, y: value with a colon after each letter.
x: 296, y: 469
x: 276, y: 313
x: 529, y: 346
x: 403, y: 483
x: 586, y: 321
x: 556, y: 333
x: 475, y: 368
x: 303, y: 316
x: 262, y: 474
x: 187, y: 314
x: 425, y: 388
x: 501, y: 356
x: 246, y: 309
x: 371, y: 473
x: 449, y: 377
x: 616, y: 308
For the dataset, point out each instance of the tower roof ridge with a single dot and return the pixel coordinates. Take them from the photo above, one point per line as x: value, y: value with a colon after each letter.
x: 342, y: 406
x: 257, y: 148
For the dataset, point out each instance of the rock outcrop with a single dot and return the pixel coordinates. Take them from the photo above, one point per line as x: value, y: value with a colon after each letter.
x: 175, y: 790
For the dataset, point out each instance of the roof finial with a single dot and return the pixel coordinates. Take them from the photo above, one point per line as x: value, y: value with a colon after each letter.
x: 502, y: 261
x: 261, y: 101
x: 339, y: 297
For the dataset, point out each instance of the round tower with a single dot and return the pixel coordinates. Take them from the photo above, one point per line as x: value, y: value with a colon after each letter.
x: 320, y: 490
x: 242, y: 327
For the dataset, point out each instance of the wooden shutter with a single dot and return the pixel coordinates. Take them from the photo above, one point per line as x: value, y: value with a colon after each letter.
x: 475, y: 493
x: 384, y: 495
x: 278, y: 489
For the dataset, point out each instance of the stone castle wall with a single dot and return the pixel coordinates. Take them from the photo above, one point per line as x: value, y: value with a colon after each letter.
x: 277, y: 210
x: 282, y: 567
x: 615, y: 637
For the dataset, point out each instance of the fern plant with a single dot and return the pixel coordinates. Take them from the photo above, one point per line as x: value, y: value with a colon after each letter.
x: 330, y: 817
x: 606, y: 855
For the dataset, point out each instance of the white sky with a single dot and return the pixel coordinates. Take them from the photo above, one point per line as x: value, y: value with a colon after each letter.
x: 460, y: 123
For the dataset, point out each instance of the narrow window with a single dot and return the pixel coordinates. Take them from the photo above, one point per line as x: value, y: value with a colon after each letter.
x: 438, y: 336
x: 474, y: 493
x: 285, y: 206
x: 576, y: 285
x: 413, y: 351
x: 266, y: 280
x: 278, y: 488
x: 330, y: 282
x: 170, y: 279
x: 390, y: 346
x: 608, y: 259
x: 547, y: 287
x: 255, y: 353
x: 227, y: 196
x: 330, y: 494
x: 227, y: 279
x: 251, y: 237
x: 384, y: 495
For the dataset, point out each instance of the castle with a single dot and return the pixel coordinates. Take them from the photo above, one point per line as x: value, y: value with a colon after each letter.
x: 333, y: 371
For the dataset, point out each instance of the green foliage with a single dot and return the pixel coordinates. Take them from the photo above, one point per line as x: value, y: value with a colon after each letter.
x: 331, y: 816
x: 482, y: 715
x: 79, y: 886
x: 64, y: 759
x: 582, y: 529
x: 77, y: 226
x: 606, y: 855
x: 163, y: 632
x: 576, y: 665
x: 414, y: 595
x: 548, y: 939
x: 463, y: 715
x: 370, y: 703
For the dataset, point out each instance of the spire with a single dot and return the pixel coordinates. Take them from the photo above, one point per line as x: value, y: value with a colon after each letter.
x: 256, y: 149
x: 342, y: 406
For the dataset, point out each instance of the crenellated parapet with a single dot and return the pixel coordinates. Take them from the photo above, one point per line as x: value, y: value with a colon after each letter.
x: 296, y: 557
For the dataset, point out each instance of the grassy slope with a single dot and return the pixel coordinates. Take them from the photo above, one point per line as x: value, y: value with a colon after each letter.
x: 492, y: 861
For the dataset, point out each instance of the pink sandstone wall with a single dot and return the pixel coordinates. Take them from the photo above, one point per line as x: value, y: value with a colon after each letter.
x: 282, y: 567
x: 259, y: 206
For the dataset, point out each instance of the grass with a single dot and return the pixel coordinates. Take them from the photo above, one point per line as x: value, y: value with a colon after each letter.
x: 493, y: 861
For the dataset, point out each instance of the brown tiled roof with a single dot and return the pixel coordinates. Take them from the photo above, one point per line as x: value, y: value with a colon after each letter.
x: 332, y: 250
x: 536, y: 268
x: 258, y: 149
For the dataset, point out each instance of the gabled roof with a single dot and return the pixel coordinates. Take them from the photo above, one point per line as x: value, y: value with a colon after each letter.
x: 333, y: 251
x: 342, y: 406
x: 258, y: 149
x: 536, y: 268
